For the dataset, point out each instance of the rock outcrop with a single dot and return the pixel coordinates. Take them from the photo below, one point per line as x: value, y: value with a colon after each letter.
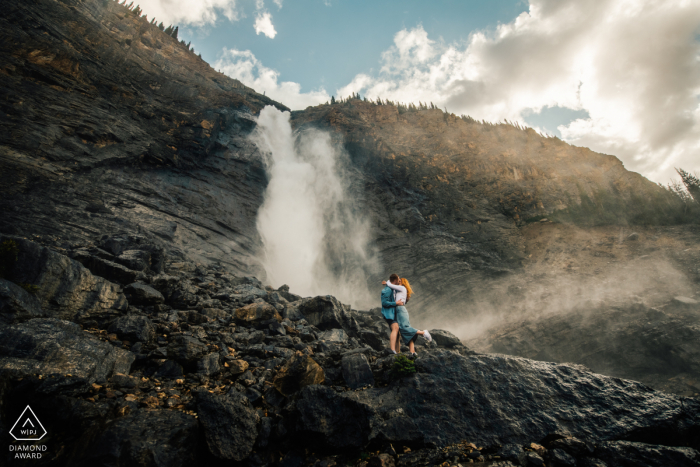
x: 658, y: 346
x: 199, y: 385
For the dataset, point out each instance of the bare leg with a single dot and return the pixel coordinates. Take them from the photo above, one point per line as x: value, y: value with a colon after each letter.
x: 411, y: 347
x: 420, y: 333
x: 398, y: 342
x: 394, y: 336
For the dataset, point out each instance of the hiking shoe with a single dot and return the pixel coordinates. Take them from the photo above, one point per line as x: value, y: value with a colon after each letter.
x: 427, y: 336
x: 413, y: 355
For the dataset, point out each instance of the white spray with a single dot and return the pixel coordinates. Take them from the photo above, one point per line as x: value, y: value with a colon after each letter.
x: 314, y: 238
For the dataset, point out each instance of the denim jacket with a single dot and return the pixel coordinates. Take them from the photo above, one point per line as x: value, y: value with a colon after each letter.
x: 388, y: 303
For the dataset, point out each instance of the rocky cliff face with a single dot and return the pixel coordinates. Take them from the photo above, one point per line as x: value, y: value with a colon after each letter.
x: 447, y: 195
x: 112, y: 125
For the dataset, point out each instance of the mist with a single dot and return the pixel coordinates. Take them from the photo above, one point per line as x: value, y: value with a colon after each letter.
x: 314, y: 236
x: 546, y: 289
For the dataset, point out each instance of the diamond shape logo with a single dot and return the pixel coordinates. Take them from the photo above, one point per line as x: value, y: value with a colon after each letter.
x: 28, y: 427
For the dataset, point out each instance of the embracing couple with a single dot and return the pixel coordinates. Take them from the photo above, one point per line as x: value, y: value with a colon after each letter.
x: 395, y: 294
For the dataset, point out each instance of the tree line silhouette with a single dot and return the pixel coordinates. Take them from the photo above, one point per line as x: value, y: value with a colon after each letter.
x: 170, y: 30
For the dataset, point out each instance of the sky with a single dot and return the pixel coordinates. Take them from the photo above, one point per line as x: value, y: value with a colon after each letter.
x: 621, y: 77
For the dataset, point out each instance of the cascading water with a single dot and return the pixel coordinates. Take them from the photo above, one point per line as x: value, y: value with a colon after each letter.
x: 314, y: 237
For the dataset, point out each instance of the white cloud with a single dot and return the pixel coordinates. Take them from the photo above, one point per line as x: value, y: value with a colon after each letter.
x: 263, y: 24
x: 243, y: 66
x: 190, y: 12
x: 278, y: 3
x: 633, y: 65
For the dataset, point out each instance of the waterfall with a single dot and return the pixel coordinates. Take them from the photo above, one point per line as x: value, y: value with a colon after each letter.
x: 314, y: 236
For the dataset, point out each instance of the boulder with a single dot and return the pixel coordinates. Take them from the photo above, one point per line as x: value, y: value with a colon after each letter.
x: 340, y: 422
x: 17, y: 305
x: 236, y: 367
x: 44, y: 346
x: 209, y: 364
x: 444, y: 338
x: 374, y: 340
x: 277, y: 329
x: 186, y: 350
x: 299, y: 371
x: 230, y: 424
x: 146, y: 438
x: 356, y: 371
x: 326, y: 312
x: 256, y: 312
x: 139, y: 293
x: 292, y: 313
x: 334, y: 335
x: 492, y: 399
x: 133, y: 328
x: 65, y: 288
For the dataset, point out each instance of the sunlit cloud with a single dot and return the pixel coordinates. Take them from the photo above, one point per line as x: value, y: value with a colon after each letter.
x: 633, y: 66
x: 243, y: 66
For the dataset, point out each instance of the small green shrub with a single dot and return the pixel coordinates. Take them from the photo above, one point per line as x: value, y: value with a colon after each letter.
x: 403, y: 366
x: 9, y: 252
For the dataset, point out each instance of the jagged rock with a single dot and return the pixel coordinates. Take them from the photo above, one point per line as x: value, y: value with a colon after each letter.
x: 444, y: 338
x: 334, y: 335
x: 139, y: 293
x: 17, y: 305
x: 230, y: 424
x: 299, y: 371
x: 374, y: 340
x: 186, y: 350
x: 660, y: 348
x: 45, y: 346
x: 495, y: 399
x: 209, y: 364
x: 237, y: 366
x: 326, y: 312
x: 65, y: 288
x: 146, y: 438
x: 631, y: 454
x: 356, y: 371
x: 257, y: 312
x: 277, y: 329
x: 109, y: 269
x: 341, y: 422
x: 276, y: 297
x: 134, y: 328
x: 292, y: 313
